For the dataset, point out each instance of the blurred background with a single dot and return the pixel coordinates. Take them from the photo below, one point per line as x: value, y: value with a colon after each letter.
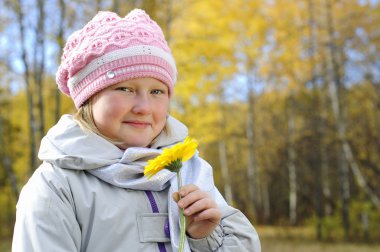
x: 283, y: 96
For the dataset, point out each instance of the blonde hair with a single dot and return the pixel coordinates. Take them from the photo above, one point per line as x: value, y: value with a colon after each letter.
x: 85, y: 119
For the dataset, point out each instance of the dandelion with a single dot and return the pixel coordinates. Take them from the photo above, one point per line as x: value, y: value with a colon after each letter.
x: 172, y: 159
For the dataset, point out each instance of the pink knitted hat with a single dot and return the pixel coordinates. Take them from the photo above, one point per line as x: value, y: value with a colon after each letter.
x: 110, y: 49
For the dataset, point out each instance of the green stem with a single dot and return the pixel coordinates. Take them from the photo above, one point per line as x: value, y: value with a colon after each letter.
x: 182, y: 216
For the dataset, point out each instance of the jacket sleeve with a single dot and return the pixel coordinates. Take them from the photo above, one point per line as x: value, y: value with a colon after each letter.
x: 45, y: 216
x: 234, y: 233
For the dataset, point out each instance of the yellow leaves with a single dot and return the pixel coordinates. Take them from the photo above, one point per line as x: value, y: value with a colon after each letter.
x: 207, y: 36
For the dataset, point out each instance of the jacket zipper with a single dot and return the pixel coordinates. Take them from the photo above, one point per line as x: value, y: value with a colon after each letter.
x: 153, y: 204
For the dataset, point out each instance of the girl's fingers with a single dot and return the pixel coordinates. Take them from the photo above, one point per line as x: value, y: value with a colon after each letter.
x: 211, y: 214
x: 185, y: 190
x: 175, y: 196
x: 199, y: 205
x: 191, y: 198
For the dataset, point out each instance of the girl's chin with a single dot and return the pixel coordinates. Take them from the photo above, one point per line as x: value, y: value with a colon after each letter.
x: 133, y: 144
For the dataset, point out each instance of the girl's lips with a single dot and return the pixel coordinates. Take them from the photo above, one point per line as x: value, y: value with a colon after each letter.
x: 137, y: 124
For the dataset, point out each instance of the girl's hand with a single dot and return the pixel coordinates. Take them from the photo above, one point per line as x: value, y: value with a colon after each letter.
x: 201, y: 212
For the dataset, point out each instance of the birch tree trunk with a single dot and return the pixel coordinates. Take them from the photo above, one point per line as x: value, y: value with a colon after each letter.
x: 29, y: 93
x: 327, y: 195
x: 335, y: 88
x: 254, y: 196
x: 291, y: 164
x: 345, y: 155
x: 315, y: 122
x: 251, y: 162
x: 39, y: 65
x: 224, y: 169
x: 60, y: 39
x: 336, y: 94
x: 222, y: 149
x: 325, y: 170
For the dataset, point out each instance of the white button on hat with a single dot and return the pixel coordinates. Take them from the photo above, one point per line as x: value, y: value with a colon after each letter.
x: 110, y: 74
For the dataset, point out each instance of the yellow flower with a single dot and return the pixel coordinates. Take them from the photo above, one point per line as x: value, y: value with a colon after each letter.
x: 172, y: 158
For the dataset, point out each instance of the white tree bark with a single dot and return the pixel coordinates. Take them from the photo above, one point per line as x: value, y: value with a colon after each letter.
x: 223, y: 157
x: 336, y: 91
x: 255, y: 200
x: 224, y: 169
x: 292, y: 166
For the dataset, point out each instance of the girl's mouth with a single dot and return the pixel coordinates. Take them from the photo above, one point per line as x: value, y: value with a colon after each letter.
x: 137, y: 124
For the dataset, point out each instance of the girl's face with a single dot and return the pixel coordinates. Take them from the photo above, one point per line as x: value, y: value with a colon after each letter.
x: 132, y: 112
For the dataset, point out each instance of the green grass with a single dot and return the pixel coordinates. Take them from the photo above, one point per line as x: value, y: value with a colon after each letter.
x: 301, y: 239
x: 5, y: 245
x: 286, y: 239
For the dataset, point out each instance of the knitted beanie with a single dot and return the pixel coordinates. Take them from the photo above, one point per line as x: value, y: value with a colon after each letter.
x: 109, y: 50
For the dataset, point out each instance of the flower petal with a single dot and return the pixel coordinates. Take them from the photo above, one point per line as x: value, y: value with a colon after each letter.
x: 172, y: 158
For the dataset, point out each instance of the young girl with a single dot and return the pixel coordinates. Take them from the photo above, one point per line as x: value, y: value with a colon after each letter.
x: 90, y: 193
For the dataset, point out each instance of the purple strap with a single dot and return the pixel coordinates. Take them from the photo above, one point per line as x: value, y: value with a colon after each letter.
x: 153, y: 204
x: 167, y: 228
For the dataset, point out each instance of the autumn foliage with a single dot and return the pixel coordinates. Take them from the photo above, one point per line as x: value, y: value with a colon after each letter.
x: 283, y: 97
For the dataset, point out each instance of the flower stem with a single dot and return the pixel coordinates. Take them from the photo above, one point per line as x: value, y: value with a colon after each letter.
x: 182, y: 216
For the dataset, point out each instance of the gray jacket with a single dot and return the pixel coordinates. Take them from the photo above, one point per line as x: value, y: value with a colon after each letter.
x: 67, y: 209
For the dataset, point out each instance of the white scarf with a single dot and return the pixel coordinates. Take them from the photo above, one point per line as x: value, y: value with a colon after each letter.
x: 128, y: 173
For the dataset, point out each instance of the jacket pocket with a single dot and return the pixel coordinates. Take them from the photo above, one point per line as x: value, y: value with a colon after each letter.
x: 151, y: 227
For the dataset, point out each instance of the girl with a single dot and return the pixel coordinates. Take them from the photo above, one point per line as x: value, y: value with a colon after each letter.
x: 90, y: 194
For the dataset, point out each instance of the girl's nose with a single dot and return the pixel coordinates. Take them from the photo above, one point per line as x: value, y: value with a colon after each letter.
x: 142, y: 104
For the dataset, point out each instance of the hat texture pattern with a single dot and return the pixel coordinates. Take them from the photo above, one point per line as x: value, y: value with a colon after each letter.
x: 110, y: 49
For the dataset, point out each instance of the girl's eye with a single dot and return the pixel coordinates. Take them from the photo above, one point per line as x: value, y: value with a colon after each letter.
x: 125, y: 89
x: 157, y: 91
